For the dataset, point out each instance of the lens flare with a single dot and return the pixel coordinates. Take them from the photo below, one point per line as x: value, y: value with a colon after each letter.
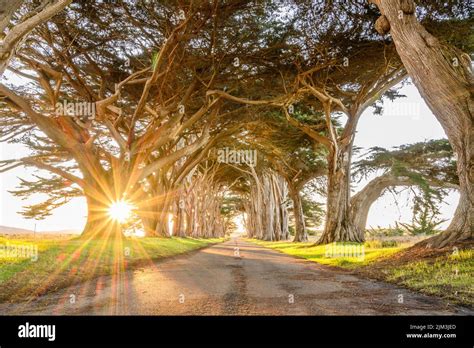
x: 120, y: 211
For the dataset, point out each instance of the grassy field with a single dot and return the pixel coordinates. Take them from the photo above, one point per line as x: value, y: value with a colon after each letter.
x: 372, y: 251
x: 450, y: 276
x: 61, y: 263
x: 445, y: 274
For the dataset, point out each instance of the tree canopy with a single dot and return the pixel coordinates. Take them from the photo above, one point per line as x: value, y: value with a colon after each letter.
x: 133, y: 101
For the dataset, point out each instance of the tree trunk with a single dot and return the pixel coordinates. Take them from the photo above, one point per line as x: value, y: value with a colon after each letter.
x: 153, y: 224
x: 99, y: 224
x: 269, y: 208
x: 189, y: 222
x: 339, y: 226
x: 180, y: 224
x: 301, y: 234
x: 443, y: 76
x: 285, y: 233
x: 150, y: 218
x: 267, y: 216
x: 362, y: 201
x: 281, y: 216
x: 162, y: 226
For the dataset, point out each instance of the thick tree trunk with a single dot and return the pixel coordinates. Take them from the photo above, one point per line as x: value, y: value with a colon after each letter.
x: 339, y: 226
x: 99, y: 224
x: 301, y: 234
x: 267, y: 216
x: 285, y: 233
x: 149, y: 224
x: 281, y: 214
x: 180, y: 224
x: 443, y: 76
x: 153, y: 224
x: 362, y: 201
x: 162, y: 226
x: 268, y: 209
x: 151, y: 211
x: 189, y: 222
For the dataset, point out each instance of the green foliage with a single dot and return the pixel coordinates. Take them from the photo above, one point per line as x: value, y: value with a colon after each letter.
x: 59, y: 191
x: 424, y: 222
x: 425, y: 212
x: 231, y: 205
x: 312, y: 211
x: 429, y: 165
x: 422, y: 161
x: 291, y: 230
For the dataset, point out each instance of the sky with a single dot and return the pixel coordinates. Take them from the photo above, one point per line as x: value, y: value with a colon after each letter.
x: 406, y: 120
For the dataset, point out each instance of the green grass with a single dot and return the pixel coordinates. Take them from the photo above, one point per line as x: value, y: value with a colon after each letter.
x: 449, y: 276
x: 317, y: 253
x: 62, y: 263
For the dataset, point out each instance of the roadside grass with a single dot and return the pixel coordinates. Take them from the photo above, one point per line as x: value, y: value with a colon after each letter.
x: 442, y: 273
x: 373, y: 250
x: 450, y: 276
x: 62, y: 263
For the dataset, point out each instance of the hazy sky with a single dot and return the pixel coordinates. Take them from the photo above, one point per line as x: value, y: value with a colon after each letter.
x: 406, y: 120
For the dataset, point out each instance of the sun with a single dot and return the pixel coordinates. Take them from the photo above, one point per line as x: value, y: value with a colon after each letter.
x: 120, y: 211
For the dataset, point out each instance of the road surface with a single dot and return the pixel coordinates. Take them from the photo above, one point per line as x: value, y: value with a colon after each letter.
x: 235, y: 278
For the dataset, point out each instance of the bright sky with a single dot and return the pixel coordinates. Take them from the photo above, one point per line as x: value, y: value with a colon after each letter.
x: 71, y: 216
x: 407, y: 120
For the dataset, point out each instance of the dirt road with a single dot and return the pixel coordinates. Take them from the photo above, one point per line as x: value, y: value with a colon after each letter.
x: 234, y: 278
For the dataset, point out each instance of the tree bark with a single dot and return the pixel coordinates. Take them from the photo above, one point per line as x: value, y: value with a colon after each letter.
x: 443, y: 76
x: 19, y: 32
x: 153, y: 225
x: 285, y: 233
x: 99, y: 225
x: 268, y: 208
x: 339, y: 226
x: 180, y: 223
x: 281, y: 214
x: 267, y: 216
x: 363, y: 200
x: 301, y: 234
x: 7, y: 9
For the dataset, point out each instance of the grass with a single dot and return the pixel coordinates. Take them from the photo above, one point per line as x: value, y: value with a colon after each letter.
x: 443, y: 274
x: 61, y: 263
x: 449, y: 276
x: 372, y: 251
